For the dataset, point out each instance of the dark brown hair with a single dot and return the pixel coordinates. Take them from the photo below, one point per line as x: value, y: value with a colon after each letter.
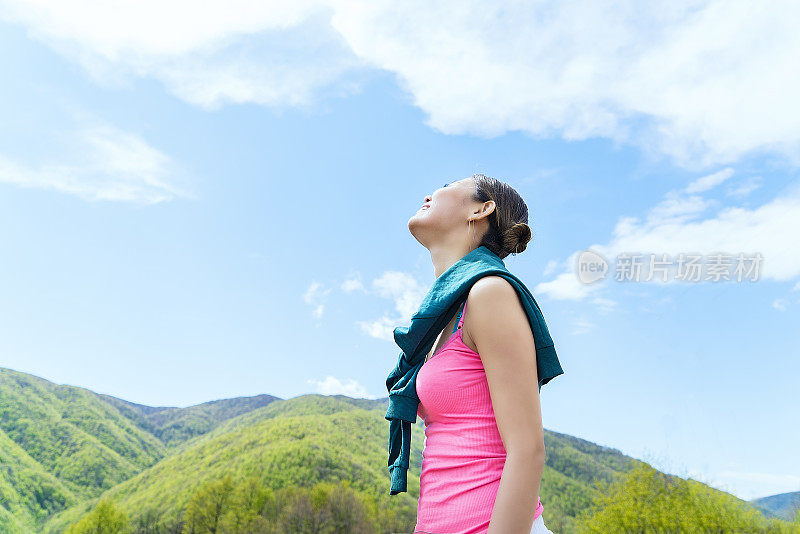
x: 508, y: 224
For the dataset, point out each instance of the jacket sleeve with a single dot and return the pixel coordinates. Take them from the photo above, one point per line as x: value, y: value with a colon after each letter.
x: 399, y: 450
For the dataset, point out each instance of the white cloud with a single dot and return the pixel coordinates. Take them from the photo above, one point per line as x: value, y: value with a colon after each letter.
x: 380, y: 328
x: 779, y: 304
x: 731, y: 229
x: 566, y: 285
x: 550, y: 268
x: 674, y: 209
x: 315, y: 295
x: 104, y: 163
x: 405, y: 292
x: 693, y: 80
x: 675, y: 226
x: 353, y: 284
x: 333, y: 386
x: 582, y: 326
x: 704, y: 183
x: 746, y: 187
x: 209, y: 54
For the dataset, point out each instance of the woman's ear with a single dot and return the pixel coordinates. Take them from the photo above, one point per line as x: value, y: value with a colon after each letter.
x: 487, y: 208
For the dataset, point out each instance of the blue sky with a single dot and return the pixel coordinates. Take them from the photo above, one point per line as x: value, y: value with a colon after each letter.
x: 213, y: 204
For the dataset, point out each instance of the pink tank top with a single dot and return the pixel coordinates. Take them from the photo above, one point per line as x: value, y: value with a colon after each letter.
x: 463, y: 455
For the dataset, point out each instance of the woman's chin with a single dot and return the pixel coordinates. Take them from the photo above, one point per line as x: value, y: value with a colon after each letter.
x: 419, y: 220
x: 415, y: 224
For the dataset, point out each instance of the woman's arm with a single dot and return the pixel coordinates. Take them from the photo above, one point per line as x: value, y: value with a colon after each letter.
x: 500, y: 330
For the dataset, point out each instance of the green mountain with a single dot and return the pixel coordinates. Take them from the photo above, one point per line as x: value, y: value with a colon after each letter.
x: 28, y: 493
x: 296, y: 442
x: 60, y: 445
x: 71, y: 459
x: 175, y: 425
x: 84, y: 442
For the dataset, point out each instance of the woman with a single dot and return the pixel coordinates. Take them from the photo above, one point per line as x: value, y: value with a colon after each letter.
x: 484, y: 443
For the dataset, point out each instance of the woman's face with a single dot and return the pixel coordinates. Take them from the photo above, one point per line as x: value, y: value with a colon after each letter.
x: 444, y: 212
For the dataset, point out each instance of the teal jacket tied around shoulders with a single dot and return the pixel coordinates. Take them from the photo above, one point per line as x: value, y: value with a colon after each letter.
x: 445, y: 296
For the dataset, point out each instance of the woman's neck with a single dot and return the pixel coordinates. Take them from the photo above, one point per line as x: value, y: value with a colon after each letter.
x: 444, y: 257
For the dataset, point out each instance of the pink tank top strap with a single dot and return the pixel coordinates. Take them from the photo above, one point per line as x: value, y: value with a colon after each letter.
x: 463, y: 309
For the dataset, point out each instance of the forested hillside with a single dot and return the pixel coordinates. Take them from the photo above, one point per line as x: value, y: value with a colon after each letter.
x: 78, y: 462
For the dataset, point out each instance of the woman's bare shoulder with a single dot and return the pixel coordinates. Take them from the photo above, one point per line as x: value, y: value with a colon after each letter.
x: 489, y: 295
x: 492, y: 286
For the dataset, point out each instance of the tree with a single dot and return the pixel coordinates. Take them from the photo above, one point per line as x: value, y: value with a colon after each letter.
x: 206, y: 507
x: 650, y: 501
x: 104, y: 519
x: 247, y: 500
x: 148, y: 522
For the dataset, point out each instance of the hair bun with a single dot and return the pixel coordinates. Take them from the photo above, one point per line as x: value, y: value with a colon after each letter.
x: 516, y: 238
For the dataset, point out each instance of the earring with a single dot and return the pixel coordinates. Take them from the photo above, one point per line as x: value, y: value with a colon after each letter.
x: 471, y: 226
